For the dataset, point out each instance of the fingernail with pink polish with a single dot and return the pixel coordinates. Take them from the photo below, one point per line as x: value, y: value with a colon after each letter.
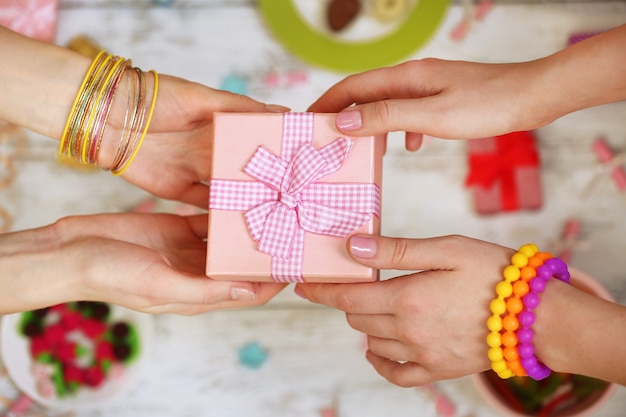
x: 242, y: 294
x: 363, y: 247
x: 276, y: 108
x: 348, y: 120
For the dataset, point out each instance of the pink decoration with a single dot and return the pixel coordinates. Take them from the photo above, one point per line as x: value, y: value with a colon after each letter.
x: 460, y: 30
x: 285, y: 198
x: 471, y: 14
x: 33, y: 18
x: 287, y: 201
x: 289, y: 79
x: 606, y: 156
x: 571, y: 234
x: 272, y: 79
x: 443, y: 405
x: 20, y: 406
x: 297, y: 77
x: 328, y: 412
x: 482, y: 9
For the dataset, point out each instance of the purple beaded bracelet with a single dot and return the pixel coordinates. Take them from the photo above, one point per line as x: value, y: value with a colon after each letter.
x: 553, y: 267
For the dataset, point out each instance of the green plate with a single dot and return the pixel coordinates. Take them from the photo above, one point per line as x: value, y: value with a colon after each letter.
x: 312, y: 46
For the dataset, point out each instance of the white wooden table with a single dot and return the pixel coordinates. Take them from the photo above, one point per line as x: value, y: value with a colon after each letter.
x: 315, y: 359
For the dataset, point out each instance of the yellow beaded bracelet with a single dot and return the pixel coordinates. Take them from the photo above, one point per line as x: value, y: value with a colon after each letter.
x: 504, y: 360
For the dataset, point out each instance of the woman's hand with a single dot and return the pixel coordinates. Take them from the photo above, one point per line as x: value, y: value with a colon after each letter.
x: 42, y: 81
x: 446, y: 99
x: 175, y: 158
x: 467, y: 100
x: 153, y: 263
x: 425, y: 326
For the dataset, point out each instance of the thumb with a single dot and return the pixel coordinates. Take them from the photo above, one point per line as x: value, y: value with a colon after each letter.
x: 406, y: 254
x: 379, y: 117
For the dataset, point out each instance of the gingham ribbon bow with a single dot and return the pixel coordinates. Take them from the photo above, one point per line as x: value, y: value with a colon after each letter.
x: 286, y: 200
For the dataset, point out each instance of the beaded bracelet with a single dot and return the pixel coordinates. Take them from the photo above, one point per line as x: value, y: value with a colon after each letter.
x: 553, y: 267
x: 528, y: 258
x: 499, y: 306
x: 511, y: 352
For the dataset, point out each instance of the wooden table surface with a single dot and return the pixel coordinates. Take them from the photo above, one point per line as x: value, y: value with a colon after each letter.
x: 315, y: 359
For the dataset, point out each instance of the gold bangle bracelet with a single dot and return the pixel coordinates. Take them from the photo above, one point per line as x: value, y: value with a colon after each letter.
x: 89, y: 115
x: 71, y: 120
x: 155, y: 93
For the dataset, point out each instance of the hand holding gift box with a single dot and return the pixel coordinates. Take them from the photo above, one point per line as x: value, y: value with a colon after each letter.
x: 286, y: 192
x: 504, y: 173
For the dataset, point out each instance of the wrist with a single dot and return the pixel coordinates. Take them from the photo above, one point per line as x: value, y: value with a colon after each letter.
x: 542, y: 99
x: 40, y: 81
x: 511, y: 337
x: 576, y: 332
x: 34, y: 271
x: 553, y: 332
x: 587, y: 74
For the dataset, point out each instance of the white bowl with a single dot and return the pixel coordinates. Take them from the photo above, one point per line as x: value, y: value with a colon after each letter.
x: 14, y: 348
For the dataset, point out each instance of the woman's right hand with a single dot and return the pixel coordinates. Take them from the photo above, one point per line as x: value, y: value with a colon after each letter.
x: 153, y: 263
x: 445, y: 99
x: 467, y: 100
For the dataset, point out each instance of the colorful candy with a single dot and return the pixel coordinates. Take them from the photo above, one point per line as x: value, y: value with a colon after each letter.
x: 76, y: 345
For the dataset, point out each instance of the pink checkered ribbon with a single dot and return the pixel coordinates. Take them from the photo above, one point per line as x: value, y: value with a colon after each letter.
x: 285, y: 201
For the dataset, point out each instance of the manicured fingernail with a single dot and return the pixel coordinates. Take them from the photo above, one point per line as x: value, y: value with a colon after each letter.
x: 276, y: 108
x: 362, y: 247
x: 242, y: 294
x: 298, y: 291
x: 348, y: 120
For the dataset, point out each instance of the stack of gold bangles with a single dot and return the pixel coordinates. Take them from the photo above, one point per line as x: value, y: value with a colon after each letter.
x: 82, y: 137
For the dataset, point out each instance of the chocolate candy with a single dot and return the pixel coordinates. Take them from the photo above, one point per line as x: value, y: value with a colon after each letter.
x: 341, y: 13
x: 122, y: 352
x: 33, y: 328
x: 120, y: 330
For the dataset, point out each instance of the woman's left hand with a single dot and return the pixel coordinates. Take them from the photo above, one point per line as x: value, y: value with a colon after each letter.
x: 175, y: 158
x: 147, y: 262
x: 425, y: 326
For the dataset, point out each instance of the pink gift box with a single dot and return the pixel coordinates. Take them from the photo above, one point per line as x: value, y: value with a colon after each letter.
x: 33, y: 18
x: 504, y: 173
x: 311, y: 177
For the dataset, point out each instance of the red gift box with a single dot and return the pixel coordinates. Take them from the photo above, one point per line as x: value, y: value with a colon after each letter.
x: 504, y: 173
x: 33, y: 18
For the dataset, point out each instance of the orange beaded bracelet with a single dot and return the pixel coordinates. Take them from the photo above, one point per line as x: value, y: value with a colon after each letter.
x: 502, y: 337
x: 515, y: 305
